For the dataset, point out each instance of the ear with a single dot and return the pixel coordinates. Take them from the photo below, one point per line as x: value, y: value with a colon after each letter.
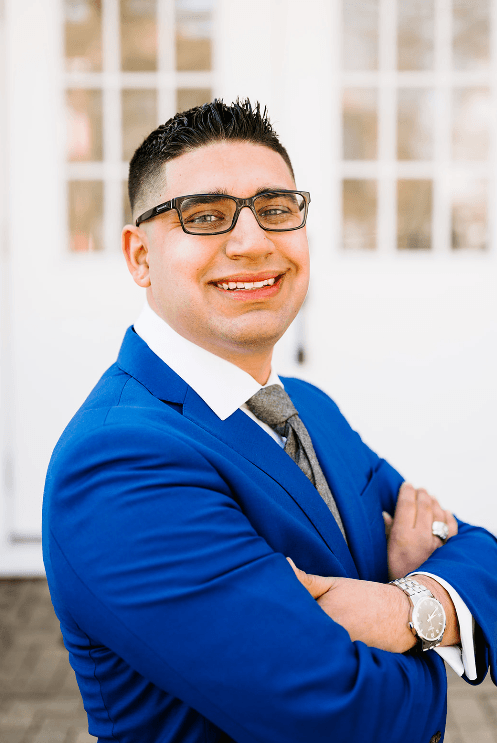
x: 134, y: 243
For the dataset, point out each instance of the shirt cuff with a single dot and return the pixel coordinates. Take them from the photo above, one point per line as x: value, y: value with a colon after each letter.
x: 460, y: 658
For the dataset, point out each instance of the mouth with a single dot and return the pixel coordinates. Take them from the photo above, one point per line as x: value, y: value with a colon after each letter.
x: 247, y: 285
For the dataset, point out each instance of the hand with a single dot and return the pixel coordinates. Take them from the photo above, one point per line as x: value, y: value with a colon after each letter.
x: 409, y: 536
x: 374, y: 613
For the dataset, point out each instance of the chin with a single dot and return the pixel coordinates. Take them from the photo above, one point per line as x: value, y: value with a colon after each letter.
x: 254, y: 336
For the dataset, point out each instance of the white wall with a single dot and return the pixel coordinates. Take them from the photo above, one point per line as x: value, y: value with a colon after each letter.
x: 405, y: 344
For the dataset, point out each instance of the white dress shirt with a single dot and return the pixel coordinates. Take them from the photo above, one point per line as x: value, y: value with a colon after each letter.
x: 225, y: 388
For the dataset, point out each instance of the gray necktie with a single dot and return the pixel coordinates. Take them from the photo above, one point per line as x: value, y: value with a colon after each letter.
x: 273, y: 406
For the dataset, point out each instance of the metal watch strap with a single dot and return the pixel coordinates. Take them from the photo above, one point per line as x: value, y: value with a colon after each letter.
x: 415, y: 591
x: 411, y: 587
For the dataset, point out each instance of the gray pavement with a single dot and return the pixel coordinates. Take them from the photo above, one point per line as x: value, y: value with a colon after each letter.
x: 40, y: 701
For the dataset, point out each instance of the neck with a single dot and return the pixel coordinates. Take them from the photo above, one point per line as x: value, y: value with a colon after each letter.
x: 257, y: 365
x: 256, y: 361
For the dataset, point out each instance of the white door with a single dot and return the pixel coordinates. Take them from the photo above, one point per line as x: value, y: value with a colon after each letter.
x: 86, y: 81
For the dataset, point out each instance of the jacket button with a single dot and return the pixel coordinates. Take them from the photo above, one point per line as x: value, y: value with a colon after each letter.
x: 435, y: 738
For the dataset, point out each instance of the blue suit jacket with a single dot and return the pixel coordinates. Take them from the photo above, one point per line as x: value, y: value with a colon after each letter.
x: 165, y: 536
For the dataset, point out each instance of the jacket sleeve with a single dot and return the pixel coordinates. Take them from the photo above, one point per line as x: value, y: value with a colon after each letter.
x: 155, y: 560
x: 468, y: 561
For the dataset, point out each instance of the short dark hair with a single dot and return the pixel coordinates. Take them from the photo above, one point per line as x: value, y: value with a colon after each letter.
x: 202, y: 125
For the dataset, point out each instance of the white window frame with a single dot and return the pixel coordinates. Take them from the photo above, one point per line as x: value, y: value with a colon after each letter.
x: 386, y: 169
x: 112, y: 170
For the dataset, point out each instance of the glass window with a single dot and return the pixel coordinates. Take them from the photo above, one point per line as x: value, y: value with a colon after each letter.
x: 360, y: 123
x: 85, y: 215
x: 472, y: 115
x: 83, y: 35
x: 414, y: 210
x: 187, y: 98
x: 415, y: 34
x: 193, y: 34
x: 469, y: 214
x: 471, y: 34
x: 139, y: 35
x: 139, y: 108
x: 360, y: 34
x: 84, y: 125
x: 359, y: 214
x: 415, y: 115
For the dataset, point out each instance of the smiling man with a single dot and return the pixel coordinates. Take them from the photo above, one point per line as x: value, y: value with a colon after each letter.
x: 192, y: 471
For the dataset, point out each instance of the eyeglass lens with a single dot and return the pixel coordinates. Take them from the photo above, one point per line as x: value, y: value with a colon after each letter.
x: 212, y: 213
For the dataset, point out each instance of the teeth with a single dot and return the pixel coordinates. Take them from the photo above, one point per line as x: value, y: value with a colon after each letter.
x: 246, y: 285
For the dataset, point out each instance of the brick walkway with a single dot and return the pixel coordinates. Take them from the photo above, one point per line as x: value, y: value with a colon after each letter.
x: 40, y: 702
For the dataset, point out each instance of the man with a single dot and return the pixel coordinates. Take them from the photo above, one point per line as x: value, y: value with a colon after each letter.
x: 179, y: 488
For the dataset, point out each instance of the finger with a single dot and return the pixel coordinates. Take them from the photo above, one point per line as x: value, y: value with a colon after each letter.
x: 451, y: 522
x: 315, y: 584
x: 405, y: 510
x: 424, y: 511
x: 438, y: 515
x: 388, y: 521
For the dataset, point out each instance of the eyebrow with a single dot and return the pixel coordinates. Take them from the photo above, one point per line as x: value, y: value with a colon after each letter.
x: 263, y: 189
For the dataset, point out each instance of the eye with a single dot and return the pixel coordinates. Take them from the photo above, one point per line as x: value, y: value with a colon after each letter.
x: 273, y: 211
x: 202, y: 218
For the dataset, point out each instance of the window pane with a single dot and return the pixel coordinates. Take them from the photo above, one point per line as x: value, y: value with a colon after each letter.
x: 360, y: 34
x: 472, y: 115
x: 469, y: 214
x: 359, y: 214
x: 85, y: 215
x: 127, y: 218
x: 415, y: 34
x: 83, y: 35
x: 415, y: 114
x: 360, y: 123
x: 187, y: 98
x: 414, y: 207
x: 471, y: 35
x: 193, y: 34
x: 139, y: 118
x: 138, y: 35
x: 84, y: 125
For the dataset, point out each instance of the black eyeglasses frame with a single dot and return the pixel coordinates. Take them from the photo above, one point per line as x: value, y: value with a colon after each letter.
x: 240, y: 203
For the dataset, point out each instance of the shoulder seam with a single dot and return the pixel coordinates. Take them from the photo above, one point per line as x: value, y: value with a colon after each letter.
x: 118, y: 402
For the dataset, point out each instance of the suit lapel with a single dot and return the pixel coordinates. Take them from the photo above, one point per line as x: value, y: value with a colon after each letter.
x: 342, y: 485
x: 245, y: 437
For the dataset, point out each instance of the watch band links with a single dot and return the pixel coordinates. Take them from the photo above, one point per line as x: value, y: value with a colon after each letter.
x: 411, y: 587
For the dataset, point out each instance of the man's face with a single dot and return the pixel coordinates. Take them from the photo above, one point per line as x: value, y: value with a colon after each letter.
x: 187, y: 272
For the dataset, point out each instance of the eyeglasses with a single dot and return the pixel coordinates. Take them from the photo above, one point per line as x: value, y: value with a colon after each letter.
x: 215, y: 214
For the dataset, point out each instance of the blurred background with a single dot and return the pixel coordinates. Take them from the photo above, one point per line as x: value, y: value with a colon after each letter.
x: 388, y: 110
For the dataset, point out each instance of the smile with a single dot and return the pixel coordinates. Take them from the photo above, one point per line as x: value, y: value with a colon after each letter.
x: 245, y: 285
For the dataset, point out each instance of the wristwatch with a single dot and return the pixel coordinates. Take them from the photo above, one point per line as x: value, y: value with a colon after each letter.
x: 427, y: 621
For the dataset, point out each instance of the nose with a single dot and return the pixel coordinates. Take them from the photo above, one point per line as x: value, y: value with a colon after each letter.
x: 247, y: 239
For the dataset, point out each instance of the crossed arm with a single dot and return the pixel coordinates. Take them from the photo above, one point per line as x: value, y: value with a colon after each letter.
x: 377, y: 613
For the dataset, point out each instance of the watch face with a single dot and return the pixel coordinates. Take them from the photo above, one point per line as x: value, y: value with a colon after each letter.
x: 428, y: 618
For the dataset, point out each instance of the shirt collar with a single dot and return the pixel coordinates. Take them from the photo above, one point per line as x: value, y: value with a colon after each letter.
x: 223, y: 386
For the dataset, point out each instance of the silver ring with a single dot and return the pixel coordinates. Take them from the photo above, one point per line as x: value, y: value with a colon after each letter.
x: 440, y: 529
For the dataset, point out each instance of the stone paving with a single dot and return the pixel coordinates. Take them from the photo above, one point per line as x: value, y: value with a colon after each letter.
x: 39, y: 697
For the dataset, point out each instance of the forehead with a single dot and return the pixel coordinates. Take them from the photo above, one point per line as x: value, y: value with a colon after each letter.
x: 238, y: 168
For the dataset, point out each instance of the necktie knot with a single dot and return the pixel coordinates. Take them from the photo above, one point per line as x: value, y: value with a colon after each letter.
x: 272, y: 405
